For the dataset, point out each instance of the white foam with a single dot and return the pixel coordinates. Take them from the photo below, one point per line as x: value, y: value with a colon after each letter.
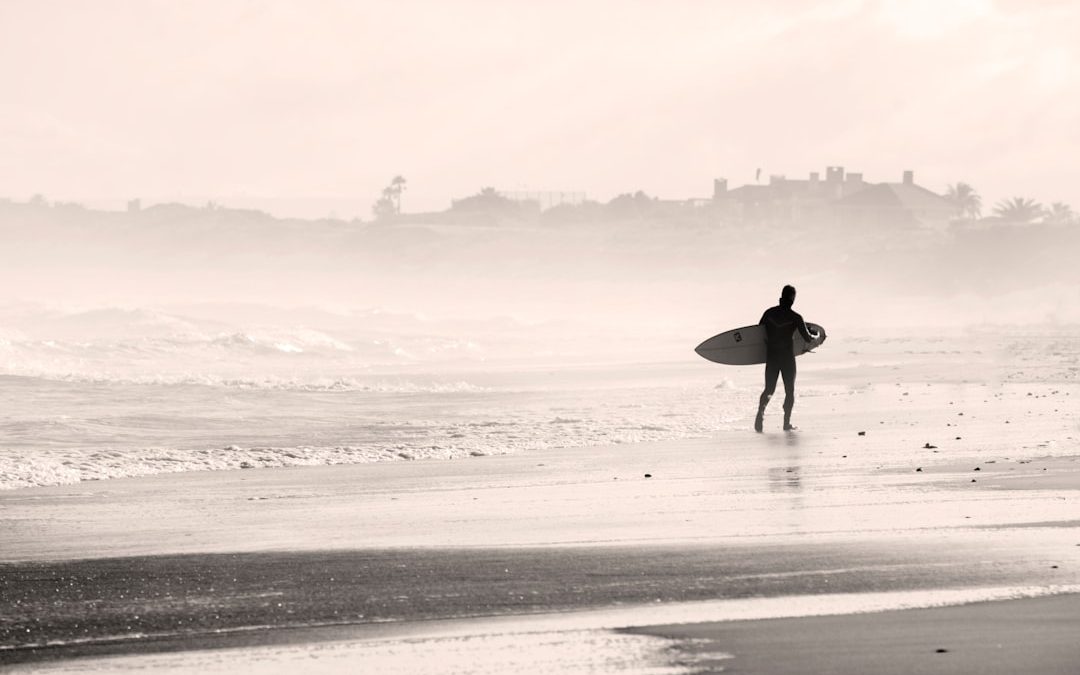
x: 135, y: 430
x: 563, y: 653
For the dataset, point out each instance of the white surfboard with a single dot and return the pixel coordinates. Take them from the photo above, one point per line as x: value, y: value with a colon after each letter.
x: 746, y: 346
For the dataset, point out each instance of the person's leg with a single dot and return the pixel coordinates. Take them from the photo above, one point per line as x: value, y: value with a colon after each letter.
x: 788, y: 372
x: 772, y: 372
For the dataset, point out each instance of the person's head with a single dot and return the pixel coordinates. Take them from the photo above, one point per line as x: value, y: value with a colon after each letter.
x: 787, y: 296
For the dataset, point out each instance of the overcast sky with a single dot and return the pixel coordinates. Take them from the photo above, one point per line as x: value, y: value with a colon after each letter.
x: 236, y: 98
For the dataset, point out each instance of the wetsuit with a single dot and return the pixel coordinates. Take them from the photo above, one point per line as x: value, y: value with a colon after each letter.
x: 780, y: 324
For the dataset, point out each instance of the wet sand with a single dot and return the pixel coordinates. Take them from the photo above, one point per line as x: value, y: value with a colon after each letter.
x: 877, y: 460
x: 168, y: 603
x: 1035, y: 635
x: 296, y: 556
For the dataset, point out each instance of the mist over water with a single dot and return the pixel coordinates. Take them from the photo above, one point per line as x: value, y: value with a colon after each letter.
x: 181, y: 338
x: 640, y: 281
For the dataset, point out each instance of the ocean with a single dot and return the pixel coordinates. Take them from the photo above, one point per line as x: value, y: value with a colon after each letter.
x: 109, y: 393
x: 100, y: 394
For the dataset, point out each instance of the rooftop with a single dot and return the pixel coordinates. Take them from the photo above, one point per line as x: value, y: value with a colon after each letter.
x: 903, y: 195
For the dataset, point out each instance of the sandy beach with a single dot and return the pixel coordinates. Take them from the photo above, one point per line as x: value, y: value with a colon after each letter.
x: 435, y: 338
x: 1014, y: 636
x: 892, y: 496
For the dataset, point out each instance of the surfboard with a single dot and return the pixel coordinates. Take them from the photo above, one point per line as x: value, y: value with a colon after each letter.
x: 746, y: 346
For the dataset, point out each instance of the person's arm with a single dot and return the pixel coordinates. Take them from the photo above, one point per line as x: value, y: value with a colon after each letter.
x: 803, y: 330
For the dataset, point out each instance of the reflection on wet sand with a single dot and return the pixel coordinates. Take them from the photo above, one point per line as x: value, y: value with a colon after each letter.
x: 785, y: 478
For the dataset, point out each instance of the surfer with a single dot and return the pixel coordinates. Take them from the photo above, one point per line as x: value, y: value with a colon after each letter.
x: 780, y: 324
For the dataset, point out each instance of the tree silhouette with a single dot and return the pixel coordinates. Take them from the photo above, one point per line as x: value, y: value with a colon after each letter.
x: 631, y: 204
x: 389, y: 203
x: 966, y: 199
x: 1060, y: 213
x: 397, y: 186
x: 1019, y: 210
x: 487, y: 200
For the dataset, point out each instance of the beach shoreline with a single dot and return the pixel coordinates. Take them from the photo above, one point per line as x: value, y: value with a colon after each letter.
x: 1031, y: 635
x: 973, y: 501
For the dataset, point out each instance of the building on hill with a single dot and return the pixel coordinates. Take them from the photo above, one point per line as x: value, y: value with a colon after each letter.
x: 896, y: 204
x: 784, y: 200
x: 838, y: 198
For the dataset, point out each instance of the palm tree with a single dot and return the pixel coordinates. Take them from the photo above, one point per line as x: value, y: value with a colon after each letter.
x: 1059, y: 213
x: 966, y: 199
x: 397, y: 185
x: 1019, y: 210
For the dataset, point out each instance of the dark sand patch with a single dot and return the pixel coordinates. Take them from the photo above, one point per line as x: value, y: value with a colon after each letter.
x: 1035, y: 635
x: 65, y: 609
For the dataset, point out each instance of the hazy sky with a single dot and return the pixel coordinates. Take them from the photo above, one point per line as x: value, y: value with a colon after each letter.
x: 228, y: 98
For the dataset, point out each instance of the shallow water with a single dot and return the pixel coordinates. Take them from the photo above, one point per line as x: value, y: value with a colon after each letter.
x: 61, y: 431
x: 115, y: 393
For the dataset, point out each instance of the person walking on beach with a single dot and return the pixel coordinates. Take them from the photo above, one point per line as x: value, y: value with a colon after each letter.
x: 780, y: 324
